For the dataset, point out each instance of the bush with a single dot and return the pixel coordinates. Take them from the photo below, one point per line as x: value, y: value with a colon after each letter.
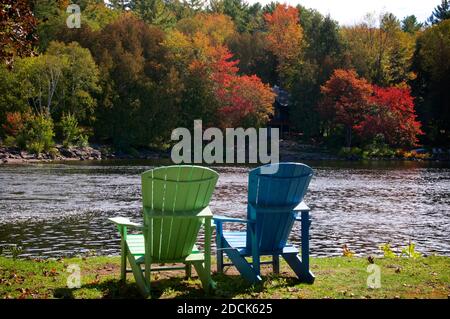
x: 9, y: 141
x: 71, y: 133
x: 37, y: 134
x: 15, y: 122
x: 350, y: 153
x: 378, y: 148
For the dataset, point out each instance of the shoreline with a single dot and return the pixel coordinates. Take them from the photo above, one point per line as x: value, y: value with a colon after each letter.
x: 290, y: 151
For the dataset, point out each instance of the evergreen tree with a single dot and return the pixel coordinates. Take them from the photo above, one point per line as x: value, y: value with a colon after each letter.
x: 440, y: 13
x: 411, y: 25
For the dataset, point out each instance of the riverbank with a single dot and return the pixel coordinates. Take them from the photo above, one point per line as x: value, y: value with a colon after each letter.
x: 290, y: 151
x: 14, y: 155
x: 336, y: 277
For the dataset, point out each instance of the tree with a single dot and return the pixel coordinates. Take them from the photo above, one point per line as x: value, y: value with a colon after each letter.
x: 440, y: 13
x: 153, y: 12
x: 391, y: 114
x: 432, y: 64
x: 79, y: 83
x: 17, y: 30
x: 250, y: 49
x: 345, y: 100
x: 381, y: 54
x: 243, y: 100
x: 216, y: 27
x: 323, y: 54
x: 411, y: 25
x: 284, y: 38
x: 139, y: 88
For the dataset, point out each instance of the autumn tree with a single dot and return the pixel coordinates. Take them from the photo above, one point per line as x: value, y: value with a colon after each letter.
x: 243, y: 100
x: 17, y: 30
x: 284, y: 38
x: 379, y: 50
x: 323, y: 54
x: 345, y: 100
x: 391, y: 114
x: 223, y: 97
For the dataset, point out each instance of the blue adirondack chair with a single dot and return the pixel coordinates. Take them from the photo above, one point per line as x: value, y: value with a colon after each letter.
x: 275, y: 202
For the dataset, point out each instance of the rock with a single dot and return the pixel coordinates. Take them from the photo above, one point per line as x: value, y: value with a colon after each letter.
x: 66, y: 152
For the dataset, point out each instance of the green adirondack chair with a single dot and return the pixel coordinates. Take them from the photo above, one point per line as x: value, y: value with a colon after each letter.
x: 175, y: 206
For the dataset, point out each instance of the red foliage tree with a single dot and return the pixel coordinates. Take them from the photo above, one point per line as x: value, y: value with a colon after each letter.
x: 392, y: 114
x: 345, y: 100
x: 243, y: 100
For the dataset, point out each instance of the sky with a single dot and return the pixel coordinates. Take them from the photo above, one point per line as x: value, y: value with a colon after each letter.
x: 348, y: 12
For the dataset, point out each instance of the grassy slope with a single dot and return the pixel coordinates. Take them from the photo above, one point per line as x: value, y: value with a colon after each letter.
x: 338, y: 277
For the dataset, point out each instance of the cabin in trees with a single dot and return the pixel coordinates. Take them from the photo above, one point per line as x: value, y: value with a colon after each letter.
x: 280, y: 117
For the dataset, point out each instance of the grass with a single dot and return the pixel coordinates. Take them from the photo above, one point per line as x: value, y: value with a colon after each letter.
x: 336, y: 277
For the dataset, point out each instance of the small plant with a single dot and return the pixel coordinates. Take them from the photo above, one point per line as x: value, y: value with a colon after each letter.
x: 15, y: 122
x: 346, y: 252
x: 72, y: 134
x: 9, y: 141
x: 387, y: 251
x: 351, y: 153
x: 15, y: 251
x: 410, y: 251
x: 83, y: 140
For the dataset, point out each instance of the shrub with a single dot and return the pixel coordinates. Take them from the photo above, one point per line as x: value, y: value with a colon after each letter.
x: 9, y: 141
x: 37, y: 134
x: 14, y: 124
x: 350, y: 153
x: 72, y: 134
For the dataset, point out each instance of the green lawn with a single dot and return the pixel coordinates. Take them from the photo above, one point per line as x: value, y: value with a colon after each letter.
x: 337, y: 277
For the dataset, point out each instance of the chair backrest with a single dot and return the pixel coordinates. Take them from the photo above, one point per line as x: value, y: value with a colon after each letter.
x: 172, y: 196
x: 273, y: 193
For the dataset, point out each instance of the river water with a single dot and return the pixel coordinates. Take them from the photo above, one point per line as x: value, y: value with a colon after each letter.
x: 53, y: 210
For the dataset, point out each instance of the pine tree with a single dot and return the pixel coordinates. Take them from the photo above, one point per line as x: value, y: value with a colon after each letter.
x: 411, y: 25
x: 440, y: 13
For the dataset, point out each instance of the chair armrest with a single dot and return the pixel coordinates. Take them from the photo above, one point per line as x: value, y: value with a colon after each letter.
x: 122, y: 221
x: 221, y: 219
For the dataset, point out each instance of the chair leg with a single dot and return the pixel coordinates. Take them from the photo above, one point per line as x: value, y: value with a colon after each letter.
x: 301, y: 266
x: 142, y: 282
x: 276, y: 264
x: 205, y: 276
x: 219, y: 251
x: 305, y: 224
x: 188, y: 269
x: 123, y: 261
x: 243, y: 266
x: 219, y: 261
x: 296, y: 264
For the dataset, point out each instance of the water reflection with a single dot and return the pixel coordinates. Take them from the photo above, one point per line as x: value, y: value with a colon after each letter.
x: 62, y: 209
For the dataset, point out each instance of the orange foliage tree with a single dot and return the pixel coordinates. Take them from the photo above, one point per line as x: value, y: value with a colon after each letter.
x: 284, y: 38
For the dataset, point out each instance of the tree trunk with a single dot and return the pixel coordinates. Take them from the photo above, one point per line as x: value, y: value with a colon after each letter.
x: 348, y: 136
